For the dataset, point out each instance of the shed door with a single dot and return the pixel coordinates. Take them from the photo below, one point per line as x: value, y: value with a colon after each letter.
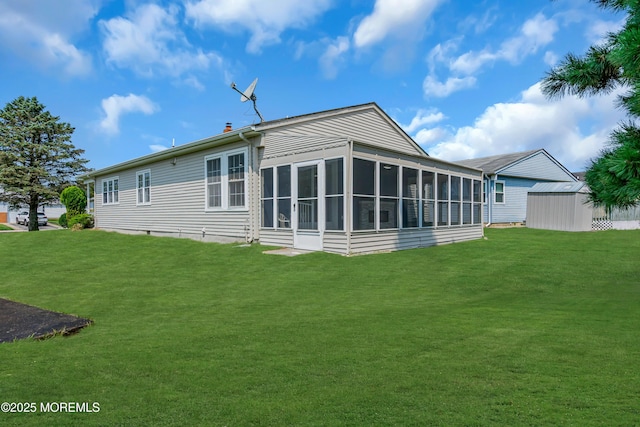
x: 308, y: 205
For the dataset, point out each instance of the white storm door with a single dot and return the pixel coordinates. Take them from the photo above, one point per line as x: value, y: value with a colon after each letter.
x: 308, y: 205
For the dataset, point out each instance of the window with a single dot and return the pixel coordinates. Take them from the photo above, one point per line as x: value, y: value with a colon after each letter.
x: 428, y: 199
x: 236, y: 180
x: 110, y: 192
x: 484, y: 191
x: 266, y: 198
x: 443, y: 199
x: 334, y: 194
x: 364, y: 201
x: 466, y: 201
x: 284, y: 196
x: 389, y: 201
x: 455, y: 200
x: 225, y: 180
x: 143, y: 180
x: 214, y: 183
x: 410, y: 194
x: 499, y: 196
x: 477, y: 200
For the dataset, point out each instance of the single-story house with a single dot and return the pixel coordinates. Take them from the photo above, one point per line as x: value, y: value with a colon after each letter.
x: 508, y: 179
x: 347, y: 181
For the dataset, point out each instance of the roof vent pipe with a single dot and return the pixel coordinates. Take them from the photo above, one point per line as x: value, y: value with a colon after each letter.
x: 227, y: 128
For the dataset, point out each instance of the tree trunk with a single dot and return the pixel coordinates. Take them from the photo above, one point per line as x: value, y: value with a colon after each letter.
x: 33, y: 215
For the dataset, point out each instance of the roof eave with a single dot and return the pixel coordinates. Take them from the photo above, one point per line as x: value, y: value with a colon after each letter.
x: 212, y: 141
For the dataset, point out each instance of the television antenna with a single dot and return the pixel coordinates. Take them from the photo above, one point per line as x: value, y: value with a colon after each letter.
x: 249, y: 95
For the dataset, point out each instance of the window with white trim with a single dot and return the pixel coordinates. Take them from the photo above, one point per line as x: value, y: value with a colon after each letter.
x: 410, y: 196
x: 214, y: 182
x: 236, y: 174
x: 455, y: 200
x: 443, y: 198
x: 143, y: 185
x: 477, y: 201
x: 110, y: 192
x: 467, y: 205
x: 334, y: 194
x: 283, y: 194
x: 266, y: 198
x: 389, y: 197
x: 484, y: 192
x: 428, y: 199
x: 226, y: 180
x: 364, y: 195
x: 499, y: 193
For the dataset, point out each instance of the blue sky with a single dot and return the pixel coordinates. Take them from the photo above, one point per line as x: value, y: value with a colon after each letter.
x: 460, y: 77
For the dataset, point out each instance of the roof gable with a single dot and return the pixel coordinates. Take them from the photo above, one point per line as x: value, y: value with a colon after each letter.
x: 534, y: 164
x: 365, y: 123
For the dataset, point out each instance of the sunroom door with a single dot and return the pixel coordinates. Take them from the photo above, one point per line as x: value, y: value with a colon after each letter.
x: 308, y: 205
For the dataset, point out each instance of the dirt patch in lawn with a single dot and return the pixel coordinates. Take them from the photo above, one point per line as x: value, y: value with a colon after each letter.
x: 18, y: 321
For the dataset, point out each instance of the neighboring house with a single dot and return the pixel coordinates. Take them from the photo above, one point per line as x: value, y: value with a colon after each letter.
x: 4, y: 212
x: 346, y: 181
x: 509, y: 177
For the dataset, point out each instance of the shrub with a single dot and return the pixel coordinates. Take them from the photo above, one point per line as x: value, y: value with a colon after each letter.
x: 74, y: 200
x: 78, y: 222
x: 62, y: 221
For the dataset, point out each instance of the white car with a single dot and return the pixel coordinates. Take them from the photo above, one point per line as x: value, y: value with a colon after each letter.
x: 23, y: 218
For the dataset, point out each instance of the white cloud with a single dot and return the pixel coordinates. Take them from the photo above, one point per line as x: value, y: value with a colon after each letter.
x: 116, y: 105
x: 432, y: 87
x: 155, y: 148
x: 333, y: 56
x: 531, y: 123
x: 598, y: 30
x: 550, y: 58
x: 393, y: 18
x: 41, y: 32
x: 534, y: 34
x: 263, y: 19
x: 423, y: 117
x: 426, y: 137
x: 150, y: 41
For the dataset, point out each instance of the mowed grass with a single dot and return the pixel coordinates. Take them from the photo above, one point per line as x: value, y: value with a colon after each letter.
x: 527, y: 327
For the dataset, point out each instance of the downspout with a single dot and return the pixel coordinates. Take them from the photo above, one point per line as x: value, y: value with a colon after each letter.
x: 489, y: 204
x: 249, y: 235
x: 349, y: 201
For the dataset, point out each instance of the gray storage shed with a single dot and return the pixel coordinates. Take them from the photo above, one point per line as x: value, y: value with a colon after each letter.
x: 559, y: 206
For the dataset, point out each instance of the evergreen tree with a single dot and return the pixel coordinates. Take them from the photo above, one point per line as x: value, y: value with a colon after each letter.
x: 614, y: 177
x: 37, y: 158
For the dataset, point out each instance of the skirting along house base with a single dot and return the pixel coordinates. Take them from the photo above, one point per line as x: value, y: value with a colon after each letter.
x: 346, y: 181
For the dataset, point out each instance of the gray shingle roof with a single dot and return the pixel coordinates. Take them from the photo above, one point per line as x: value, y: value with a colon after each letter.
x: 490, y: 165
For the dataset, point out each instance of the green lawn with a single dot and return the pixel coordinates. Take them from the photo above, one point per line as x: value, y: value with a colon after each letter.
x: 4, y: 227
x: 527, y: 327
